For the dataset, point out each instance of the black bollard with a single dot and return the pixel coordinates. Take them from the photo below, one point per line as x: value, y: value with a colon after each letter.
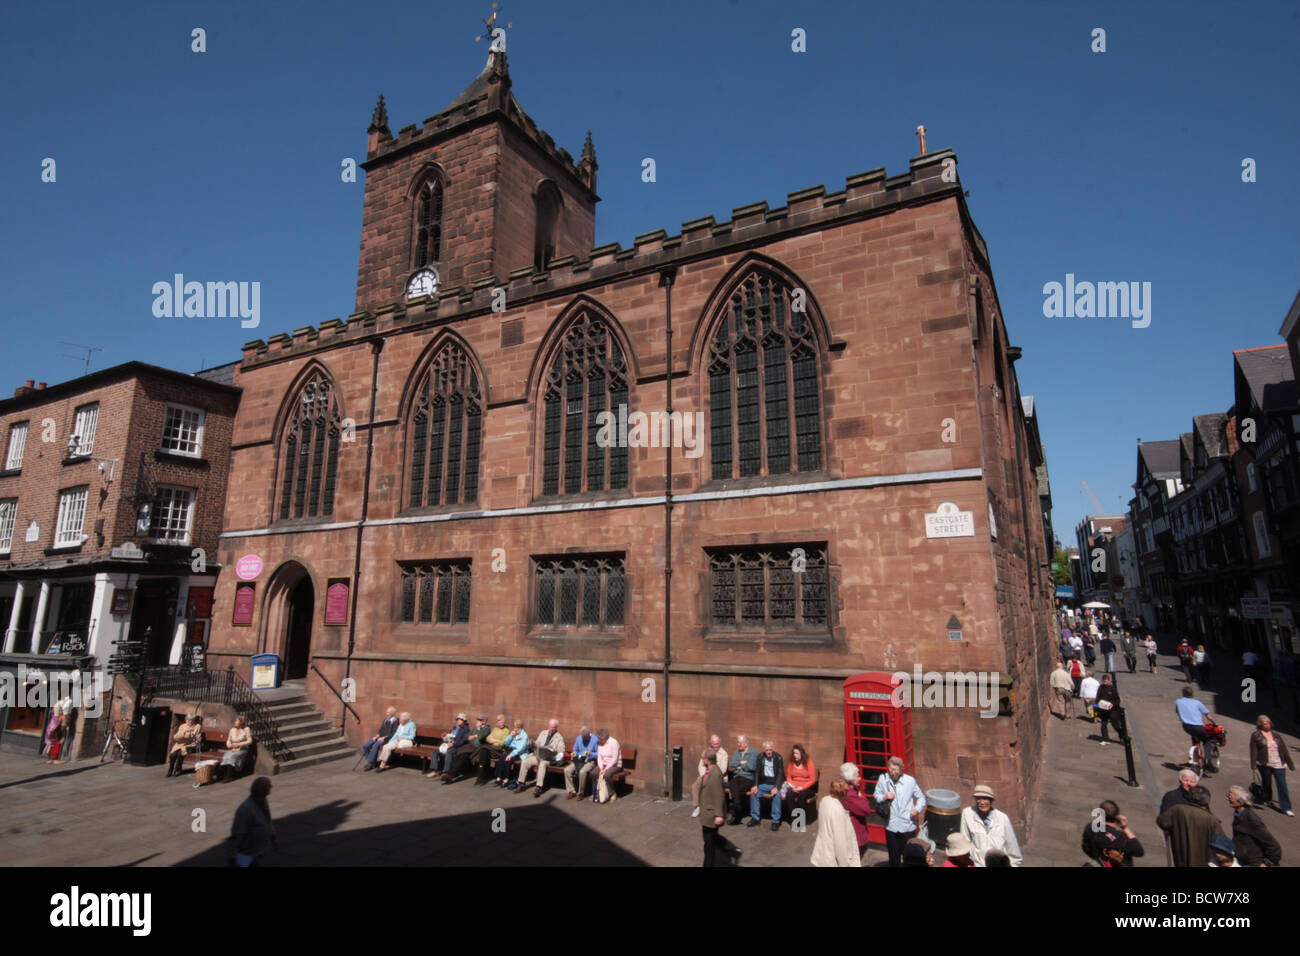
x: 677, y: 774
x: 1128, y: 758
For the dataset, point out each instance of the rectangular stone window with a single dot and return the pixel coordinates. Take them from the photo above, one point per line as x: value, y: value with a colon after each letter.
x: 436, y: 593
x: 580, y: 591
x: 770, y: 589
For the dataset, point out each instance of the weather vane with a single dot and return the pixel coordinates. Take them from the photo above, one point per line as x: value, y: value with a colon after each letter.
x: 496, y: 35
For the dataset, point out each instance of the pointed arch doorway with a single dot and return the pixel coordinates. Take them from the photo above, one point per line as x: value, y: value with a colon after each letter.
x: 291, y: 603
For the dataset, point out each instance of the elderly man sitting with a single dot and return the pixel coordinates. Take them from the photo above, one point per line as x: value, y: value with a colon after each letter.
x: 403, y: 739
x: 549, y: 750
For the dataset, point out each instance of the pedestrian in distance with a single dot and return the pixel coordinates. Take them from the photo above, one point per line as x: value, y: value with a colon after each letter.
x: 1077, y: 674
x: 1061, y: 703
x: 1150, y: 645
x: 1130, y: 652
x: 1186, y: 655
x: 1202, y: 662
x: 1109, y: 711
x: 1108, y: 653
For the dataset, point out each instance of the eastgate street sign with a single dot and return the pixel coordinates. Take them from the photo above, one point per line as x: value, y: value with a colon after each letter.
x: 950, y: 522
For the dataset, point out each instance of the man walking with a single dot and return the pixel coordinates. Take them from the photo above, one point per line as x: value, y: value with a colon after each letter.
x: 1189, y: 828
x: 1255, y: 845
x: 1108, y: 652
x: 904, y: 804
x: 253, y: 833
x: 711, y: 807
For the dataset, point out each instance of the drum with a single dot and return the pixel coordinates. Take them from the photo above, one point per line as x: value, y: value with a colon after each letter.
x: 204, y: 771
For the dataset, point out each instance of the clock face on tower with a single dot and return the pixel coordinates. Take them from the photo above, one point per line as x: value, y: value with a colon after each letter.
x: 423, y: 282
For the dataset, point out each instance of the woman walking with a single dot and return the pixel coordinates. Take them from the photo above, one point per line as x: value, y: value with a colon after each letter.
x: 1151, y: 652
x: 1269, y: 755
x: 836, y: 843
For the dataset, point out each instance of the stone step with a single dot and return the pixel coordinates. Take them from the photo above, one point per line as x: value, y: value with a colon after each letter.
x: 342, y: 752
x: 318, y: 746
x: 297, y: 741
x: 296, y: 724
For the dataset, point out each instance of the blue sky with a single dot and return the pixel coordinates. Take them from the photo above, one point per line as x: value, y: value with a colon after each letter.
x: 1115, y: 166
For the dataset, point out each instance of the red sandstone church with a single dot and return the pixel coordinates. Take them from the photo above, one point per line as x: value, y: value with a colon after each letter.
x: 439, y: 517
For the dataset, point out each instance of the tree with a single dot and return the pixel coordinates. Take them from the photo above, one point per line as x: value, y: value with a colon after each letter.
x: 1061, y: 568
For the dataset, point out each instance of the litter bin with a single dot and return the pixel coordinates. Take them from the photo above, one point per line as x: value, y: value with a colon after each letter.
x: 266, y: 672
x: 942, y: 815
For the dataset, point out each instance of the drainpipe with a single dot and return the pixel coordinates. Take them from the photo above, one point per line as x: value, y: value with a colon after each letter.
x: 376, y: 346
x: 667, y: 276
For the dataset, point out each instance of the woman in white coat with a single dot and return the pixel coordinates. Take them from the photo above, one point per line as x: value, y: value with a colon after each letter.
x: 988, y: 829
x: 837, y: 844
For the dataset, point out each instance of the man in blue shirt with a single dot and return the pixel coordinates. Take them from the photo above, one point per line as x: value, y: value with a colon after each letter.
x: 1192, y: 713
x: 582, y: 764
x: 900, y: 794
x: 744, y: 769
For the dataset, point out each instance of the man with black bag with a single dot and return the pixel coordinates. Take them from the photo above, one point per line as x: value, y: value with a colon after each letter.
x: 1109, y: 710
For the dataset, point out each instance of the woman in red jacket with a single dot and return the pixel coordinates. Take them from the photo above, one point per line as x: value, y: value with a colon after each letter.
x: 858, y: 805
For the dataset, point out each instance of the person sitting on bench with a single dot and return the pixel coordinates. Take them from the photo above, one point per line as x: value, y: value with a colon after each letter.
x: 370, y: 750
x: 515, y: 746
x: 744, y: 768
x: 403, y: 739
x: 496, y: 739
x: 581, y: 766
x: 770, y: 779
x: 187, y: 740
x: 456, y: 738
x: 609, y: 760
x: 550, y: 750
x: 239, y: 744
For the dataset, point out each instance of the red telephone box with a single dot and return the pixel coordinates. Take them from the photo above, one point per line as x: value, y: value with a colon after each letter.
x: 874, y: 731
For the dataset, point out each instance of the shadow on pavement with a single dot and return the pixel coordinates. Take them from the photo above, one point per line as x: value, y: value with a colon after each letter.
x: 48, y: 776
x: 534, y: 835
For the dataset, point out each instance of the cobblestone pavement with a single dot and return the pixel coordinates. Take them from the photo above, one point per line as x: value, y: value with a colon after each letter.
x: 1079, y: 772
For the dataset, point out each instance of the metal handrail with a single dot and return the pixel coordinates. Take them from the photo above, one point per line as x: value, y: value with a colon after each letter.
x: 336, y: 693
x: 221, y: 687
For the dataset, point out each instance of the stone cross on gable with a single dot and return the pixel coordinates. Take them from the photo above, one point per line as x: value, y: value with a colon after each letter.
x: 494, y: 34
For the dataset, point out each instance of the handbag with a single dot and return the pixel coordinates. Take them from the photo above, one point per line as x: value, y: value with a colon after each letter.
x: 1257, y: 787
x: 883, y: 807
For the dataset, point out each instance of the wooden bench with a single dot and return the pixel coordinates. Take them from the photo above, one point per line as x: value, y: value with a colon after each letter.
x: 619, y: 776
x: 426, y: 745
x: 214, y: 748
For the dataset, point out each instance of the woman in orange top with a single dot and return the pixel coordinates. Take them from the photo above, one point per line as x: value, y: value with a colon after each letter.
x: 800, y: 779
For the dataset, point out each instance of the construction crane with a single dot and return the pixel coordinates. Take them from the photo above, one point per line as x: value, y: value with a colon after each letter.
x: 1100, y: 509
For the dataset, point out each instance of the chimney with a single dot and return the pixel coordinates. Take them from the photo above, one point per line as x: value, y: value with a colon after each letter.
x: 40, y: 386
x: 27, y: 389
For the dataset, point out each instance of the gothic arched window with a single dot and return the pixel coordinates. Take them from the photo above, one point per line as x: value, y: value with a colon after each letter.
x: 311, y: 452
x: 446, y: 430
x: 588, y: 376
x: 547, y: 204
x: 764, y: 398
x: 428, y: 223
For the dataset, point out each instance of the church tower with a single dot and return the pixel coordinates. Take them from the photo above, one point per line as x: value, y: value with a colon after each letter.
x: 477, y: 191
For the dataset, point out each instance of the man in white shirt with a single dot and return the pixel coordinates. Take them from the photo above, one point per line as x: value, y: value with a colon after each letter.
x: 988, y: 829
x: 1088, y: 688
x: 548, y: 750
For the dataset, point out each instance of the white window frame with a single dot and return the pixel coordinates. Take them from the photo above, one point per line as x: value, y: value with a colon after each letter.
x: 1261, y: 535
x: 86, y: 420
x: 8, y: 518
x: 198, y: 430
x: 164, y: 502
x: 72, y: 507
x: 17, y: 436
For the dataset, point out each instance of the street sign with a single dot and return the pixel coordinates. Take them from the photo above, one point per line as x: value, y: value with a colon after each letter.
x: 1064, y: 591
x: 1255, y: 609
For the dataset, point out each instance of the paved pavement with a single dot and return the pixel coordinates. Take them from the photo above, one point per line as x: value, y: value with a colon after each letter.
x: 1079, y: 772
x: 84, y: 813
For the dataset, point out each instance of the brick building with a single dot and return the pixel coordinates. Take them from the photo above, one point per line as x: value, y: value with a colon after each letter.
x: 110, y: 482
x: 438, y: 517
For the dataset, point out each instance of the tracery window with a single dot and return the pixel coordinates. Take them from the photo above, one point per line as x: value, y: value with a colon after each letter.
x: 310, y: 452
x: 764, y: 401
x: 446, y: 432
x: 781, y: 586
